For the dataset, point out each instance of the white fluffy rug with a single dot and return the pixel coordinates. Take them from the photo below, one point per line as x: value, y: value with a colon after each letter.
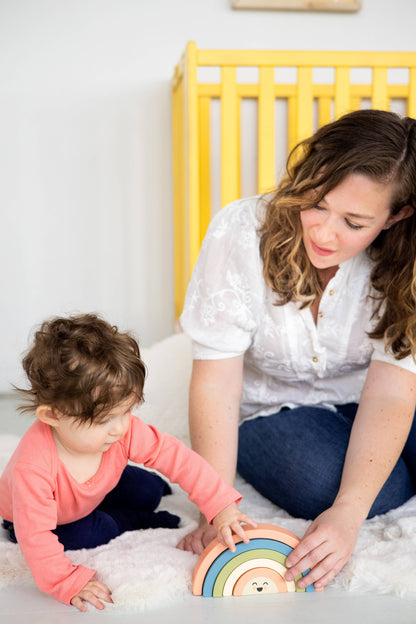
x: 146, y: 571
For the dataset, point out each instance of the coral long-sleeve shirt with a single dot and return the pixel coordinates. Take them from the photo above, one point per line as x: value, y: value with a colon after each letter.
x: 37, y: 493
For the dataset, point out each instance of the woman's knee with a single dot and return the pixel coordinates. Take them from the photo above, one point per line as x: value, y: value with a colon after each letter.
x: 291, y: 458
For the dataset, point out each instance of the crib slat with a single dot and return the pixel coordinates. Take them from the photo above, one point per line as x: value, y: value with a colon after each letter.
x: 304, y: 104
x: 181, y: 260
x: 411, y: 103
x: 192, y: 153
x: 379, y: 97
x: 292, y: 122
x: 266, y: 130
x: 229, y: 136
x: 324, y: 110
x: 204, y: 165
x: 342, y: 91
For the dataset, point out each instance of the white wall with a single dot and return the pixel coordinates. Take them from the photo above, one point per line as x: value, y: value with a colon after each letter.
x: 85, y: 145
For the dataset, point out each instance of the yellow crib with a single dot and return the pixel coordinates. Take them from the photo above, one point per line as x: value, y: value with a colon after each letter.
x: 293, y: 92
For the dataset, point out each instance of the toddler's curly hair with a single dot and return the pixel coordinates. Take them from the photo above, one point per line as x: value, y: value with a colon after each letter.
x: 82, y: 366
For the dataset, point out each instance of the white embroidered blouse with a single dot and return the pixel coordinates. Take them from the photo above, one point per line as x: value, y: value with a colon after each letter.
x: 288, y: 360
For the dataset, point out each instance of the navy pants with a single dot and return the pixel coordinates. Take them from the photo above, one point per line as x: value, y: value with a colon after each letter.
x: 295, y: 458
x: 129, y: 506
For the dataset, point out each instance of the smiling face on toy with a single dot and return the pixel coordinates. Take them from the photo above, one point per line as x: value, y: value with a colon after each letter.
x: 260, y: 585
x: 260, y: 580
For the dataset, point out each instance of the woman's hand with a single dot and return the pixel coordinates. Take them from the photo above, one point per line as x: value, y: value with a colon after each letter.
x: 199, y: 538
x: 326, y: 546
x: 93, y: 592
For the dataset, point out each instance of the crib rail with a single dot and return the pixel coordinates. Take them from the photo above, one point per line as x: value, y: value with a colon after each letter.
x: 316, y: 88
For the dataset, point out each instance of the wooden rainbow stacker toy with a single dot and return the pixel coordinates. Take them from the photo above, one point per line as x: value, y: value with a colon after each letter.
x: 258, y: 567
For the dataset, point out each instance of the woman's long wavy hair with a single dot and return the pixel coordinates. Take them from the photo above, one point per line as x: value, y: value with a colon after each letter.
x: 382, y: 146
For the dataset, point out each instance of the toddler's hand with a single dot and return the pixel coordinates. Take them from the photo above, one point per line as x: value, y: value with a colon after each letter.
x: 229, y: 520
x: 93, y: 592
x: 199, y: 538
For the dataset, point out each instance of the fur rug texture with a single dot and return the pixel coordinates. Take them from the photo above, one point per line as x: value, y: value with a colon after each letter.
x: 145, y: 570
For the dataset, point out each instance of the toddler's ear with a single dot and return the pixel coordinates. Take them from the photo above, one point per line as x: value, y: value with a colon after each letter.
x: 47, y: 415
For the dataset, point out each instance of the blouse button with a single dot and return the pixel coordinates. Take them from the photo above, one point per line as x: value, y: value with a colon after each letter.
x: 315, y: 359
x: 320, y: 314
x: 331, y: 292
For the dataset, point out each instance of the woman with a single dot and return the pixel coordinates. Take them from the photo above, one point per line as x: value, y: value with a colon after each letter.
x: 303, y: 315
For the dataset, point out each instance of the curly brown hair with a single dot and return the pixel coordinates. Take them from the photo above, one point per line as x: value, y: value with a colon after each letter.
x: 382, y: 146
x: 82, y: 366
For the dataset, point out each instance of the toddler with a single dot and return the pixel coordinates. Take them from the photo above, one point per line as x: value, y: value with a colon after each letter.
x: 68, y: 485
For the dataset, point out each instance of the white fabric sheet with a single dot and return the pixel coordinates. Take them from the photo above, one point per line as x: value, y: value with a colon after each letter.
x: 145, y: 570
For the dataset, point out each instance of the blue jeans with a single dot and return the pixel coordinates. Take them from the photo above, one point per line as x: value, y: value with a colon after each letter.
x: 295, y: 458
x: 129, y: 506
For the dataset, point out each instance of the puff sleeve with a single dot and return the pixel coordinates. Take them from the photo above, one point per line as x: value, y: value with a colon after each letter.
x: 227, y: 286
